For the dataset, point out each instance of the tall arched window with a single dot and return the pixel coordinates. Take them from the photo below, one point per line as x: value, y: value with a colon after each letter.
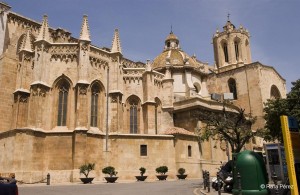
x: 236, y: 48
x: 232, y: 87
x: 63, y: 92
x: 133, y: 115
x: 225, y: 49
x: 94, y: 104
x: 133, y: 118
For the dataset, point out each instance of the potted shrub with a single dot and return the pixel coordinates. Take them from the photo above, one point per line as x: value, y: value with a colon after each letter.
x: 162, y: 170
x: 112, y: 174
x: 141, y: 177
x: 181, y: 173
x: 85, y: 170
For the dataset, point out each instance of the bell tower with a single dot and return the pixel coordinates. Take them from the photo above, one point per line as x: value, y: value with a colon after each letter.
x: 231, y: 47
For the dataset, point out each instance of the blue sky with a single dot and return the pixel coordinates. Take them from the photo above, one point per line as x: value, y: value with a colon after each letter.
x: 274, y: 26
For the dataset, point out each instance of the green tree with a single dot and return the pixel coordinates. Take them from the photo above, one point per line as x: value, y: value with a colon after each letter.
x: 274, y: 108
x: 233, y: 127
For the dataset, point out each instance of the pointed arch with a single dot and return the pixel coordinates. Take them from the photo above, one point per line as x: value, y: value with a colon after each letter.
x: 274, y: 93
x: 224, y: 45
x: 237, y: 48
x: 133, y: 104
x: 232, y: 87
x: 62, y: 88
x: 96, y: 104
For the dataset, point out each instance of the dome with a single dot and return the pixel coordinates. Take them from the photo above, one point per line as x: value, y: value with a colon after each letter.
x: 173, y: 55
x: 171, y: 36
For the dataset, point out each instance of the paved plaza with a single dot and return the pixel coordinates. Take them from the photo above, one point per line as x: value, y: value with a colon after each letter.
x: 175, y: 187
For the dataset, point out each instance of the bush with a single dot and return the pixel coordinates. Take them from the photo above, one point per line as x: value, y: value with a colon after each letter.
x: 142, y: 171
x: 86, y: 168
x: 181, y: 171
x: 162, y: 170
x: 110, y: 171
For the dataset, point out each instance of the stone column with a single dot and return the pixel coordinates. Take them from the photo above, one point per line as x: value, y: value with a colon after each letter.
x: 82, y: 106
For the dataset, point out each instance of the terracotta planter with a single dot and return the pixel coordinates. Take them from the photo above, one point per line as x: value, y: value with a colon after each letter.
x: 161, y: 177
x: 140, y: 178
x: 86, y: 180
x: 111, y: 179
x: 181, y: 176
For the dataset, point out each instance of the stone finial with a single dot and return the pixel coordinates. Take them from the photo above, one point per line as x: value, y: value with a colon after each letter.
x: 44, y: 31
x: 85, y: 31
x: 116, y: 43
x: 26, y: 43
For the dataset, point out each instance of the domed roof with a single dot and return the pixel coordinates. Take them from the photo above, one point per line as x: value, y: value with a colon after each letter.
x: 171, y: 36
x: 173, y: 55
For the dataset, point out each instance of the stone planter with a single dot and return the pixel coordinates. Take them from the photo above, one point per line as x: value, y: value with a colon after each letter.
x: 86, y: 180
x: 111, y: 179
x: 181, y: 176
x: 140, y: 178
x: 161, y: 177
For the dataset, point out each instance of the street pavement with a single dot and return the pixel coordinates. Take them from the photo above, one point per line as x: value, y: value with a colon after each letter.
x: 169, y: 187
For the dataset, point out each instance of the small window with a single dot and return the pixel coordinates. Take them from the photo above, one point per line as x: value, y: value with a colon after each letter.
x: 143, y: 150
x: 189, y: 151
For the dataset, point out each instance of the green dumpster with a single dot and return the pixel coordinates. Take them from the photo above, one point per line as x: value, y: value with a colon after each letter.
x: 253, y: 174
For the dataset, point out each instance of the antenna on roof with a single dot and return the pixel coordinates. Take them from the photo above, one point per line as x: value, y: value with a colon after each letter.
x: 171, y: 29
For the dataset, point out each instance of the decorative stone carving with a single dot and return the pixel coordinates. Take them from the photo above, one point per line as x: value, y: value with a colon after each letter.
x: 82, y: 89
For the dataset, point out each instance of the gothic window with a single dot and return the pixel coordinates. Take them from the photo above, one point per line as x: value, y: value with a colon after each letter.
x: 189, y: 151
x: 63, y: 92
x: 232, y: 87
x: 225, y: 49
x: 94, y: 104
x: 236, y: 47
x: 133, y: 105
x: 275, y: 94
x: 133, y: 118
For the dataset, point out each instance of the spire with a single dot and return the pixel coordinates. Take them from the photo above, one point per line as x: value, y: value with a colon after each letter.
x: 26, y: 44
x: 85, y: 31
x: 44, y: 31
x: 116, y: 44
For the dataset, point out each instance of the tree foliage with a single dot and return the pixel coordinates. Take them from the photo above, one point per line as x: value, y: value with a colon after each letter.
x: 230, y: 126
x: 86, y: 169
x: 274, y: 108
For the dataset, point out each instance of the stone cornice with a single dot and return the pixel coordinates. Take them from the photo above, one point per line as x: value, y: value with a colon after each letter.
x: 197, y: 102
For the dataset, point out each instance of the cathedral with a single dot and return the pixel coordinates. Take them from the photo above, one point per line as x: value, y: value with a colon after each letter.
x: 66, y: 102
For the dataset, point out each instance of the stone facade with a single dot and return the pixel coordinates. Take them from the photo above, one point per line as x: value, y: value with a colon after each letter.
x: 65, y: 102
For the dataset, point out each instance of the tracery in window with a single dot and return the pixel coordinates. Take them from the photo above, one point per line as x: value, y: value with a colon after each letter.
x: 63, y: 93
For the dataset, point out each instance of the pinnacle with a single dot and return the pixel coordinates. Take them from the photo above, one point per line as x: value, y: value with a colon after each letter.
x: 85, y: 31
x: 26, y: 44
x: 116, y: 44
x: 44, y: 31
